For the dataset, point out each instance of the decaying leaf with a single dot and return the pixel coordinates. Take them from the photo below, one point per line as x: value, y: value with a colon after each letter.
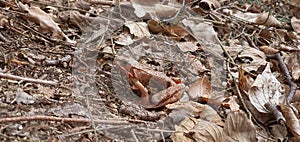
x: 293, y: 63
x: 260, y: 19
x: 232, y: 104
x: 239, y: 128
x: 245, y: 81
x: 197, y: 129
x: 291, y: 120
x: 252, y: 59
x: 268, y: 50
x: 198, y: 110
x: 38, y: 16
x: 296, y: 24
x: 267, y: 20
x: 154, y: 9
x: 203, y: 32
x: 201, y: 88
x: 265, y: 89
x: 23, y: 97
x: 138, y: 29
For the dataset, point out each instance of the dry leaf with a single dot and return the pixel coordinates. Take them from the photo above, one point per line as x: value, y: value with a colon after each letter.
x: 138, y: 29
x: 268, y: 50
x: 187, y: 46
x: 291, y: 120
x: 198, y: 130
x: 267, y: 20
x: 265, y: 89
x: 296, y: 24
x: 38, y: 16
x: 239, y: 128
x: 202, y: 31
x: 23, y: 97
x: 201, y: 88
x: 198, y: 110
x: 146, y: 2
x: 232, y: 104
x: 154, y: 9
x: 245, y: 81
x: 252, y: 58
x: 293, y: 63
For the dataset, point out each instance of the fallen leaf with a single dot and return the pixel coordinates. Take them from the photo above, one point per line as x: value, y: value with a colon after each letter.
x: 296, y: 24
x: 198, y: 130
x: 146, y: 2
x: 292, y: 61
x: 252, y: 59
x: 239, y: 128
x: 154, y: 9
x: 201, y: 88
x: 267, y: 20
x: 198, y: 110
x: 268, y: 50
x: 138, y: 29
x: 245, y: 81
x: 232, y: 104
x: 265, y: 89
x: 38, y: 16
x: 187, y: 46
x: 23, y: 97
x: 291, y: 120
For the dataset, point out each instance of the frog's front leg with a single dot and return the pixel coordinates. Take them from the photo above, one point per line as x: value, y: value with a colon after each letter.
x: 167, y: 96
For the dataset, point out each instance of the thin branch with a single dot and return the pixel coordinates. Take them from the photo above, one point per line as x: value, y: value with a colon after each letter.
x: 287, y: 75
x: 32, y: 80
x: 60, y: 119
x: 102, y: 2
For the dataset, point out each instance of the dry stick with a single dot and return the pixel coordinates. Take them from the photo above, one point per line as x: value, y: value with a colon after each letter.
x: 60, y: 119
x: 283, y: 67
x: 111, y: 3
x: 32, y: 80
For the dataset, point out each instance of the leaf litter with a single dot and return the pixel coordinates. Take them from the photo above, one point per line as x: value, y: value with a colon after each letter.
x: 210, y: 70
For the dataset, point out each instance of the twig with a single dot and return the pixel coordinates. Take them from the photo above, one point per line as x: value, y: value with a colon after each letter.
x: 288, y: 77
x: 102, y: 2
x: 68, y: 8
x: 60, y: 119
x: 14, y: 77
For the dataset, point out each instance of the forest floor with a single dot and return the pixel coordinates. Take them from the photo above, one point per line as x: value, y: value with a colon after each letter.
x: 149, y: 70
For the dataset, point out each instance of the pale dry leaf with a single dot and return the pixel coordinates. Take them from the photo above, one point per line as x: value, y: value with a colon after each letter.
x: 265, y: 89
x: 198, y: 110
x: 138, y: 29
x: 146, y: 2
x: 38, y: 16
x: 201, y: 88
x: 202, y: 31
x: 156, y: 11
x: 232, y: 104
x: 292, y: 61
x: 249, y: 17
x: 252, y: 58
x: 206, y: 131
x: 187, y: 46
x: 296, y: 24
x: 197, y: 129
x: 239, y: 128
x: 291, y: 120
x: 23, y: 97
x: 267, y: 20
x: 124, y: 39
